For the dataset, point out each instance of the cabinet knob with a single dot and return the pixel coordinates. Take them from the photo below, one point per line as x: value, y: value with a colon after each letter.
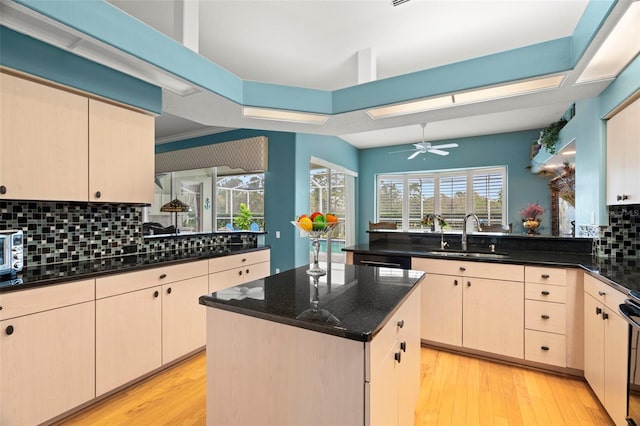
x: 602, y: 293
x: 239, y: 272
x: 246, y: 271
x: 618, y: 197
x: 455, y: 282
x: 462, y: 269
x: 403, y: 346
x: 401, y: 323
x: 544, y: 348
x: 398, y: 357
x: 544, y: 292
x: 468, y: 283
x: 544, y: 317
x: 163, y: 276
x: 3, y: 189
x: 98, y: 194
x: 625, y: 197
x: 244, y: 260
x: 9, y: 330
x: 598, y: 311
x: 169, y: 290
x: 605, y: 316
x: 156, y: 293
x: 545, y: 276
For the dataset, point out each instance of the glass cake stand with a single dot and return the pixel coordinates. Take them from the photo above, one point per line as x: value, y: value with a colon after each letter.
x: 319, y: 230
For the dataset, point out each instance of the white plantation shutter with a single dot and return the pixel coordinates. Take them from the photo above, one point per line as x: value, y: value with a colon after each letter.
x: 488, y: 188
x: 390, y: 198
x: 421, y: 199
x: 453, y: 199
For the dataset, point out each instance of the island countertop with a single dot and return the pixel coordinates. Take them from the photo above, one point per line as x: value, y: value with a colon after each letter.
x: 361, y: 298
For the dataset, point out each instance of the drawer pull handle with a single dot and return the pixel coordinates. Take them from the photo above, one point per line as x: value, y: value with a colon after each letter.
x: 605, y: 316
x: 544, y: 292
x: 163, y: 276
x: 462, y: 268
x: 244, y: 260
x: 468, y: 283
x: 169, y: 290
x: 156, y: 293
x: 239, y: 272
x: 602, y: 293
x: 455, y: 282
x: 246, y: 271
x: 9, y: 330
x: 545, y: 276
x: 598, y: 311
x: 98, y: 194
x: 544, y: 348
x: 401, y: 323
x: 403, y: 346
x: 398, y: 357
x: 3, y: 189
x: 544, y: 317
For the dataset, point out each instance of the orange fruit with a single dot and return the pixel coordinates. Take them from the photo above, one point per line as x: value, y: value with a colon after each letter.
x: 331, y: 218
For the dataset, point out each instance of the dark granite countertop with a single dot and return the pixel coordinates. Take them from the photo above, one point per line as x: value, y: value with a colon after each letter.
x: 360, y: 298
x: 42, y: 275
x: 624, y: 275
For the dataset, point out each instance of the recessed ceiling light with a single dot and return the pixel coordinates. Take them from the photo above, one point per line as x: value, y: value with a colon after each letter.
x: 284, y: 115
x: 410, y: 107
x: 508, y: 90
x: 620, y: 47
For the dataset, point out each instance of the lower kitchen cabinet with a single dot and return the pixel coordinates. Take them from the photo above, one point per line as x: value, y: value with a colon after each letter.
x: 606, y: 338
x: 47, y: 357
x: 229, y: 271
x: 442, y: 309
x: 128, y: 337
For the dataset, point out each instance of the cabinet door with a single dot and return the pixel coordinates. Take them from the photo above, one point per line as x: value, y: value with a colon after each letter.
x: 383, y: 391
x: 183, y: 318
x: 409, y: 366
x: 128, y: 337
x: 43, y: 142
x: 121, y: 154
x: 442, y: 309
x: 493, y: 316
x: 47, y: 363
x: 616, y: 348
x: 594, y: 345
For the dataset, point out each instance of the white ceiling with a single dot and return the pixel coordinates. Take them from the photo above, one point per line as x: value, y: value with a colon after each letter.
x: 314, y: 44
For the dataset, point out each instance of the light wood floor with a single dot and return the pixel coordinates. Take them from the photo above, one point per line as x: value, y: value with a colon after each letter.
x: 455, y: 390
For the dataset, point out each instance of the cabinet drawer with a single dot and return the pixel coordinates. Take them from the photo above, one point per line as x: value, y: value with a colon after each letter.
x: 132, y: 281
x: 26, y: 302
x: 603, y: 293
x: 545, y: 275
x: 224, y: 279
x: 547, y: 348
x: 238, y: 260
x: 488, y: 270
x: 257, y: 271
x: 545, y: 292
x: 545, y: 316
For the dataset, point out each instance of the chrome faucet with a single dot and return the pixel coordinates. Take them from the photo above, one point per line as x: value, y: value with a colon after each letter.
x: 464, y: 229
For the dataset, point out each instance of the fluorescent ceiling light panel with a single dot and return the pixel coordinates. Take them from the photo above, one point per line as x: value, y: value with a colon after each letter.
x: 284, y: 115
x: 410, y: 107
x: 508, y: 90
x: 620, y: 47
x: 568, y: 152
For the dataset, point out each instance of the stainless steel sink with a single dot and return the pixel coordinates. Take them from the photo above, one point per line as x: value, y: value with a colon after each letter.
x: 463, y: 254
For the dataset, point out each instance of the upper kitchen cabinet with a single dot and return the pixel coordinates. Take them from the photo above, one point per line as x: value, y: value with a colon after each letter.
x: 121, y: 154
x: 43, y: 142
x: 623, y: 156
x: 62, y: 146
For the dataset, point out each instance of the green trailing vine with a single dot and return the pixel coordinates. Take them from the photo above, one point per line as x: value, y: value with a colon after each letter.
x: 550, y: 135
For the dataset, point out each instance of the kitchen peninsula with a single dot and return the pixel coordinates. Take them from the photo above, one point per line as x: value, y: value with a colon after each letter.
x: 358, y: 363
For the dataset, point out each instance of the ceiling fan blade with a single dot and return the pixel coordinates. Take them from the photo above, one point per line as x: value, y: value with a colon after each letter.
x: 437, y: 151
x: 414, y: 155
x: 403, y: 150
x: 446, y: 145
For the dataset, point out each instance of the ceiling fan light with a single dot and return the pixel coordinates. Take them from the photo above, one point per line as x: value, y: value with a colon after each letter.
x: 410, y: 107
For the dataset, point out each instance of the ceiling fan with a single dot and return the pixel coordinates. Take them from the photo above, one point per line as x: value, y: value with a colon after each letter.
x: 426, y: 147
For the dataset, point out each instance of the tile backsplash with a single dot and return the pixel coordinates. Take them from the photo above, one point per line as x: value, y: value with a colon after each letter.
x: 621, y: 239
x: 58, y: 232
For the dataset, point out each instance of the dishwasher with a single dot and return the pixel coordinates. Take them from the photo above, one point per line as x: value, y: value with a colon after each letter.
x: 384, y: 261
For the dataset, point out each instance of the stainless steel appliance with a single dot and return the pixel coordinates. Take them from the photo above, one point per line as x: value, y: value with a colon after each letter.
x: 11, y: 252
x: 630, y: 310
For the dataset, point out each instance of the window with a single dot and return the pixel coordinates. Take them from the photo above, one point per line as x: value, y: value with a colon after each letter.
x: 214, y: 200
x: 406, y: 198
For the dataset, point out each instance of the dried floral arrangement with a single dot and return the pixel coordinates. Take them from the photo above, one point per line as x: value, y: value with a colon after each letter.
x: 430, y: 220
x: 531, y: 211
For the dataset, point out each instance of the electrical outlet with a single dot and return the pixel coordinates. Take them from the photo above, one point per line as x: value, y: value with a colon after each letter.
x: 277, y: 270
x: 277, y: 234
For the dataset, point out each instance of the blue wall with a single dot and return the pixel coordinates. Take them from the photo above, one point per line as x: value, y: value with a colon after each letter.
x: 507, y: 149
x: 286, y: 183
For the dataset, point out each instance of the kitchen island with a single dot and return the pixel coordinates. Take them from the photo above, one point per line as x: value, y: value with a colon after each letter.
x: 273, y: 360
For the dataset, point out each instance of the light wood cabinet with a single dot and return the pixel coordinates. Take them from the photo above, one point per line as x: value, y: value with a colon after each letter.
x: 43, y: 142
x: 121, y: 154
x: 623, y: 156
x: 47, y: 355
x: 229, y: 271
x: 606, y: 338
x: 138, y: 323
x: 63, y: 146
x: 483, y: 295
